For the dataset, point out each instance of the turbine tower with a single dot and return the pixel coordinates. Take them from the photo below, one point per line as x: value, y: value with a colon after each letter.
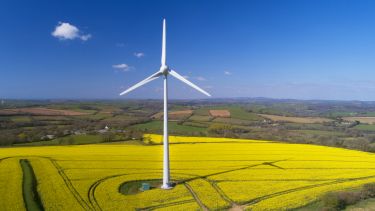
x: 165, y: 71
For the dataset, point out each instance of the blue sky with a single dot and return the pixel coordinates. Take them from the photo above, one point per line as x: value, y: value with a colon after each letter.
x: 302, y: 49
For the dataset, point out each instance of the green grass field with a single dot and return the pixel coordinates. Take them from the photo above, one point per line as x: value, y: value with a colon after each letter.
x: 157, y: 126
x: 68, y: 140
x: 236, y: 112
x: 19, y: 119
x: 365, y: 127
x: 365, y: 205
x: 199, y: 118
x: 29, y: 186
x: 232, y: 121
x: 319, y: 132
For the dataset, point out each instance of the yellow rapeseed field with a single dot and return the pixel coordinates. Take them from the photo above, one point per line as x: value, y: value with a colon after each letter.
x: 11, y: 185
x: 210, y: 173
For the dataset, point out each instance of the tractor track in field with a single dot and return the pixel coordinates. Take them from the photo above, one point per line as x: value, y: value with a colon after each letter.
x: 222, y: 194
x: 92, y: 189
x: 96, y: 206
x: 262, y: 198
x: 254, y: 201
x: 91, y: 195
x: 231, y: 170
x: 196, y: 198
x: 70, y: 186
x: 217, y: 189
x: 166, y: 205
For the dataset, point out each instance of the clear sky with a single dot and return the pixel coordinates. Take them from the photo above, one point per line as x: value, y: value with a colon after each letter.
x: 302, y: 49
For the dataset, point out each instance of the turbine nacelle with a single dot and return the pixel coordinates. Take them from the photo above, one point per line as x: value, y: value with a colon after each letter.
x: 164, y: 69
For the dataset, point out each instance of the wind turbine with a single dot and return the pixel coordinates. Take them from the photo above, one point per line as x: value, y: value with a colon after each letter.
x: 165, y: 71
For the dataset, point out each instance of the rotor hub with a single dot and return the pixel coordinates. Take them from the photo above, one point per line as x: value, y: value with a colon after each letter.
x: 164, y: 69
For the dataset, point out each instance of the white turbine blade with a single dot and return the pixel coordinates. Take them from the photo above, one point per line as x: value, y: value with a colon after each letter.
x: 164, y: 43
x: 181, y: 78
x: 141, y: 83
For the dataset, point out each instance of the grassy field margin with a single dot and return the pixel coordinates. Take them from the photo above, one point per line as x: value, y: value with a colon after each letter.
x: 29, y: 189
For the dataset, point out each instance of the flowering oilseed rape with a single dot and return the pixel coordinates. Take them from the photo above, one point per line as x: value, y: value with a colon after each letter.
x: 210, y: 173
x: 11, y: 185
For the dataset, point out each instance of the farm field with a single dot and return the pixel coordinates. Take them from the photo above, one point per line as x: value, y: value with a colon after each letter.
x: 157, y: 125
x: 173, y: 114
x: 219, y: 113
x: 365, y: 127
x: 296, y: 119
x: 210, y: 174
x: 366, y: 120
x: 41, y: 111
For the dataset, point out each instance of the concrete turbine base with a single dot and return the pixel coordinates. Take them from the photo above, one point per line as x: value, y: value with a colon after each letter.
x: 167, y: 186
